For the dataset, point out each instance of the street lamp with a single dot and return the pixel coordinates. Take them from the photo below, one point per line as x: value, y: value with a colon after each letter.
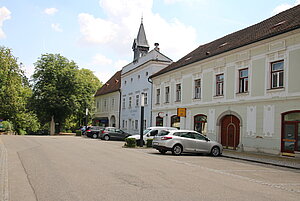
x: 142, y: 119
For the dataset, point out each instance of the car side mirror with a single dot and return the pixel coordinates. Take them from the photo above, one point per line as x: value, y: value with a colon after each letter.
x: 148, y: 135
x: 207, y: 140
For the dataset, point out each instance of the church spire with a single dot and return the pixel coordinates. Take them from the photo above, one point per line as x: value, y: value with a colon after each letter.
x: 140, y: 45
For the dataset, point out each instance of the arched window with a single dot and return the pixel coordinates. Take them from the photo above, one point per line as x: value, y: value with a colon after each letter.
x: 200, y: 123
x: 175, y: 121
x: 290, y: 137
x: 159, y: 121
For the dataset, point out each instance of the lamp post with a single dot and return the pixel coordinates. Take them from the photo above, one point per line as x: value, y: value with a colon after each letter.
x: 142, y: 119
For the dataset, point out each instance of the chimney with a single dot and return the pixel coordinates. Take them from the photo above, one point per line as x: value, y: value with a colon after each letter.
x: 156, y: 46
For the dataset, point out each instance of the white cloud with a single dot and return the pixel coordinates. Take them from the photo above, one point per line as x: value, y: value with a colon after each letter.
x: 56, y: 27
x: 105, y: 67
x: 96, y: 30
x: 284, y: 7
x: 120, y: 27
x: 50, y: 11
x: 4, y: 15
x: 101, y: 60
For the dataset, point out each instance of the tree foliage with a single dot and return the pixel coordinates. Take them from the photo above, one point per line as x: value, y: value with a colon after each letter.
x: 61, y: 89
x: 15, y: 93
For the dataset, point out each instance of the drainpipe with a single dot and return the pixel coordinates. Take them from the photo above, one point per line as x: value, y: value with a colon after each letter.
x: 120, y: 102
x: 151, y: 89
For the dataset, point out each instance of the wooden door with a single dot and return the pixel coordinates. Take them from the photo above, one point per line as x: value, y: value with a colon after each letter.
x: 230, y: 131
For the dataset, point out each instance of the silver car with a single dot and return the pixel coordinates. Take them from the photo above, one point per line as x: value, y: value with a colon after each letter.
x: 178, y: 141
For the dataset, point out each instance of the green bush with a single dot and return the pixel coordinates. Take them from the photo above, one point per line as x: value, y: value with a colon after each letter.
x: 69, y: 131
x: 78, y: 133
x: 7, y: 126
x: 130, y: 142
x: 149, y: 142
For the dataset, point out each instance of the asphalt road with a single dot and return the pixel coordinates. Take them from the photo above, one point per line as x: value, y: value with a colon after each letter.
x: 68, y: 168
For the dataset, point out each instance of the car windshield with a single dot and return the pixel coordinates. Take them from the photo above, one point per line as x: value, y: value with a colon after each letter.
x: 163, y: 133
x: 146, y: 131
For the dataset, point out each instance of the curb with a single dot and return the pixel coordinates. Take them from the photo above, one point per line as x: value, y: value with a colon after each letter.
x: 262, y: 162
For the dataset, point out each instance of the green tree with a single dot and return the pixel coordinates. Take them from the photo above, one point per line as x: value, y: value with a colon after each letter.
x: 61, y: 89
x: 15, y: 93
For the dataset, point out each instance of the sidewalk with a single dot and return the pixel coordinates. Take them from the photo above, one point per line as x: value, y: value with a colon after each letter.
x: 282, y: 161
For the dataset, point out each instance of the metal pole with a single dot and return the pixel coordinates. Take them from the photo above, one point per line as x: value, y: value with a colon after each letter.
x: 142, y: 120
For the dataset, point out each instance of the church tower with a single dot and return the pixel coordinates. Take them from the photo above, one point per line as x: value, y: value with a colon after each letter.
x: 140, y: 45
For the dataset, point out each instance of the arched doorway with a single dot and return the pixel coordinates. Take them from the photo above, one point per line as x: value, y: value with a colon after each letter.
x: 159, y: 121
x: 113, y: 121
x: 175, y: 121
x: 200, y: 123
x: 230, y: 131
x: 290, y: 135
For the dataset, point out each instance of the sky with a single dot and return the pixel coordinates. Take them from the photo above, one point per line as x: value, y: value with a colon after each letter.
x: 98, y: 34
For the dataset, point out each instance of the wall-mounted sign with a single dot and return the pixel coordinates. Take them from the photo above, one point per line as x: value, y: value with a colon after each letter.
x: 181, y: 112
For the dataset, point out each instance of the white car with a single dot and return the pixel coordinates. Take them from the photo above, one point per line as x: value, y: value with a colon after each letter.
x: 185, y: 141
x: 150, y: 132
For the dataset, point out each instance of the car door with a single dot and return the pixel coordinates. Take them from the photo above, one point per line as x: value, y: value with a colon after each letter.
x: 187, y: 140
x: 201, y: 143
x: 112, y: 133
x: 120, y: 135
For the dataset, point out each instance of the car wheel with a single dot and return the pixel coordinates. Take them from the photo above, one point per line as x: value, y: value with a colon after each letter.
x: 177, y: 150
x: 215, y: 151
x: 162, y: 151
x: 95, y: 136
x: 106, y: 137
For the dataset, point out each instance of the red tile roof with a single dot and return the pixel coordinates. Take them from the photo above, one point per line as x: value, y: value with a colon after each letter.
x: 112, y: 85
x: 281, y: 23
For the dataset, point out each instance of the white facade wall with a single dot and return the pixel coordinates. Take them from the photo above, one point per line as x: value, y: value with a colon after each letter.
x: 258, y: 110
x: 108, y: 105
x: 134, y: 79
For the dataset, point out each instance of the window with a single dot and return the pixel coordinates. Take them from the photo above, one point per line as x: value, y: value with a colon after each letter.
x: 197, y: 89
x: 123, y: 124
x: 243, y: 80
x: 159, y: 121
x: 157, y: 96
x: 123, y: 102
x: 175, y: 121
x: 130, y: 101
x: 200, y: 123
x: 145, y: 124
x: 131, y: 79
x: 139, y: 76
x: 137, y: 100
x: 98, y: 105
x: 105, y: 105
x: 125, y: 82
x: 112, y: 103
x: 147, y: 73
x: 277, y: 74
x: 219, y: 84
x: 178, y: 92
x: 145, y: 98
x: 136, y: 124
x: 199, y: 137
x: 167, y: 94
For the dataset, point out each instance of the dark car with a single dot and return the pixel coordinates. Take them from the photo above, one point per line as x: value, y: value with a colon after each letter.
x: 93, y: 131
x: 113, y: 133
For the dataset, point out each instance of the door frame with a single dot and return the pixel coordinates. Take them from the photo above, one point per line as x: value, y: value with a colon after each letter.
x: 283, y: 123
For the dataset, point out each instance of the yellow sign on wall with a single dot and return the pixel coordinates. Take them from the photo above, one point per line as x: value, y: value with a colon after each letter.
x: 181, y: 112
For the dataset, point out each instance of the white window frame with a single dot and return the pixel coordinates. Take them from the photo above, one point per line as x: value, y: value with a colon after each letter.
x: 197, y: 93
x: 178, y: 93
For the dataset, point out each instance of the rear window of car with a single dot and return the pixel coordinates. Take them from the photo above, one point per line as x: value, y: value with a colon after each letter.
x: 163, y: 133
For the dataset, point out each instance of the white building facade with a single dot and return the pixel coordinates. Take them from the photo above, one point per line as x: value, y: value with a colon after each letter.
x: 242, y: 90
x: 135, y: 81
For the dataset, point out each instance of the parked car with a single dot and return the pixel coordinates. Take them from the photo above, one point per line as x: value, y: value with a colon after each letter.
x: 93, y: 131
x: 149, y: 133
x: 113, y: 133
x: 179, y: 141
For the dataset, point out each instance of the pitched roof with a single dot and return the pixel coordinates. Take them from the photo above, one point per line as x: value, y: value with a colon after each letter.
x: 281, y: 23
x: 141, y: 37
x: 112, y: 85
